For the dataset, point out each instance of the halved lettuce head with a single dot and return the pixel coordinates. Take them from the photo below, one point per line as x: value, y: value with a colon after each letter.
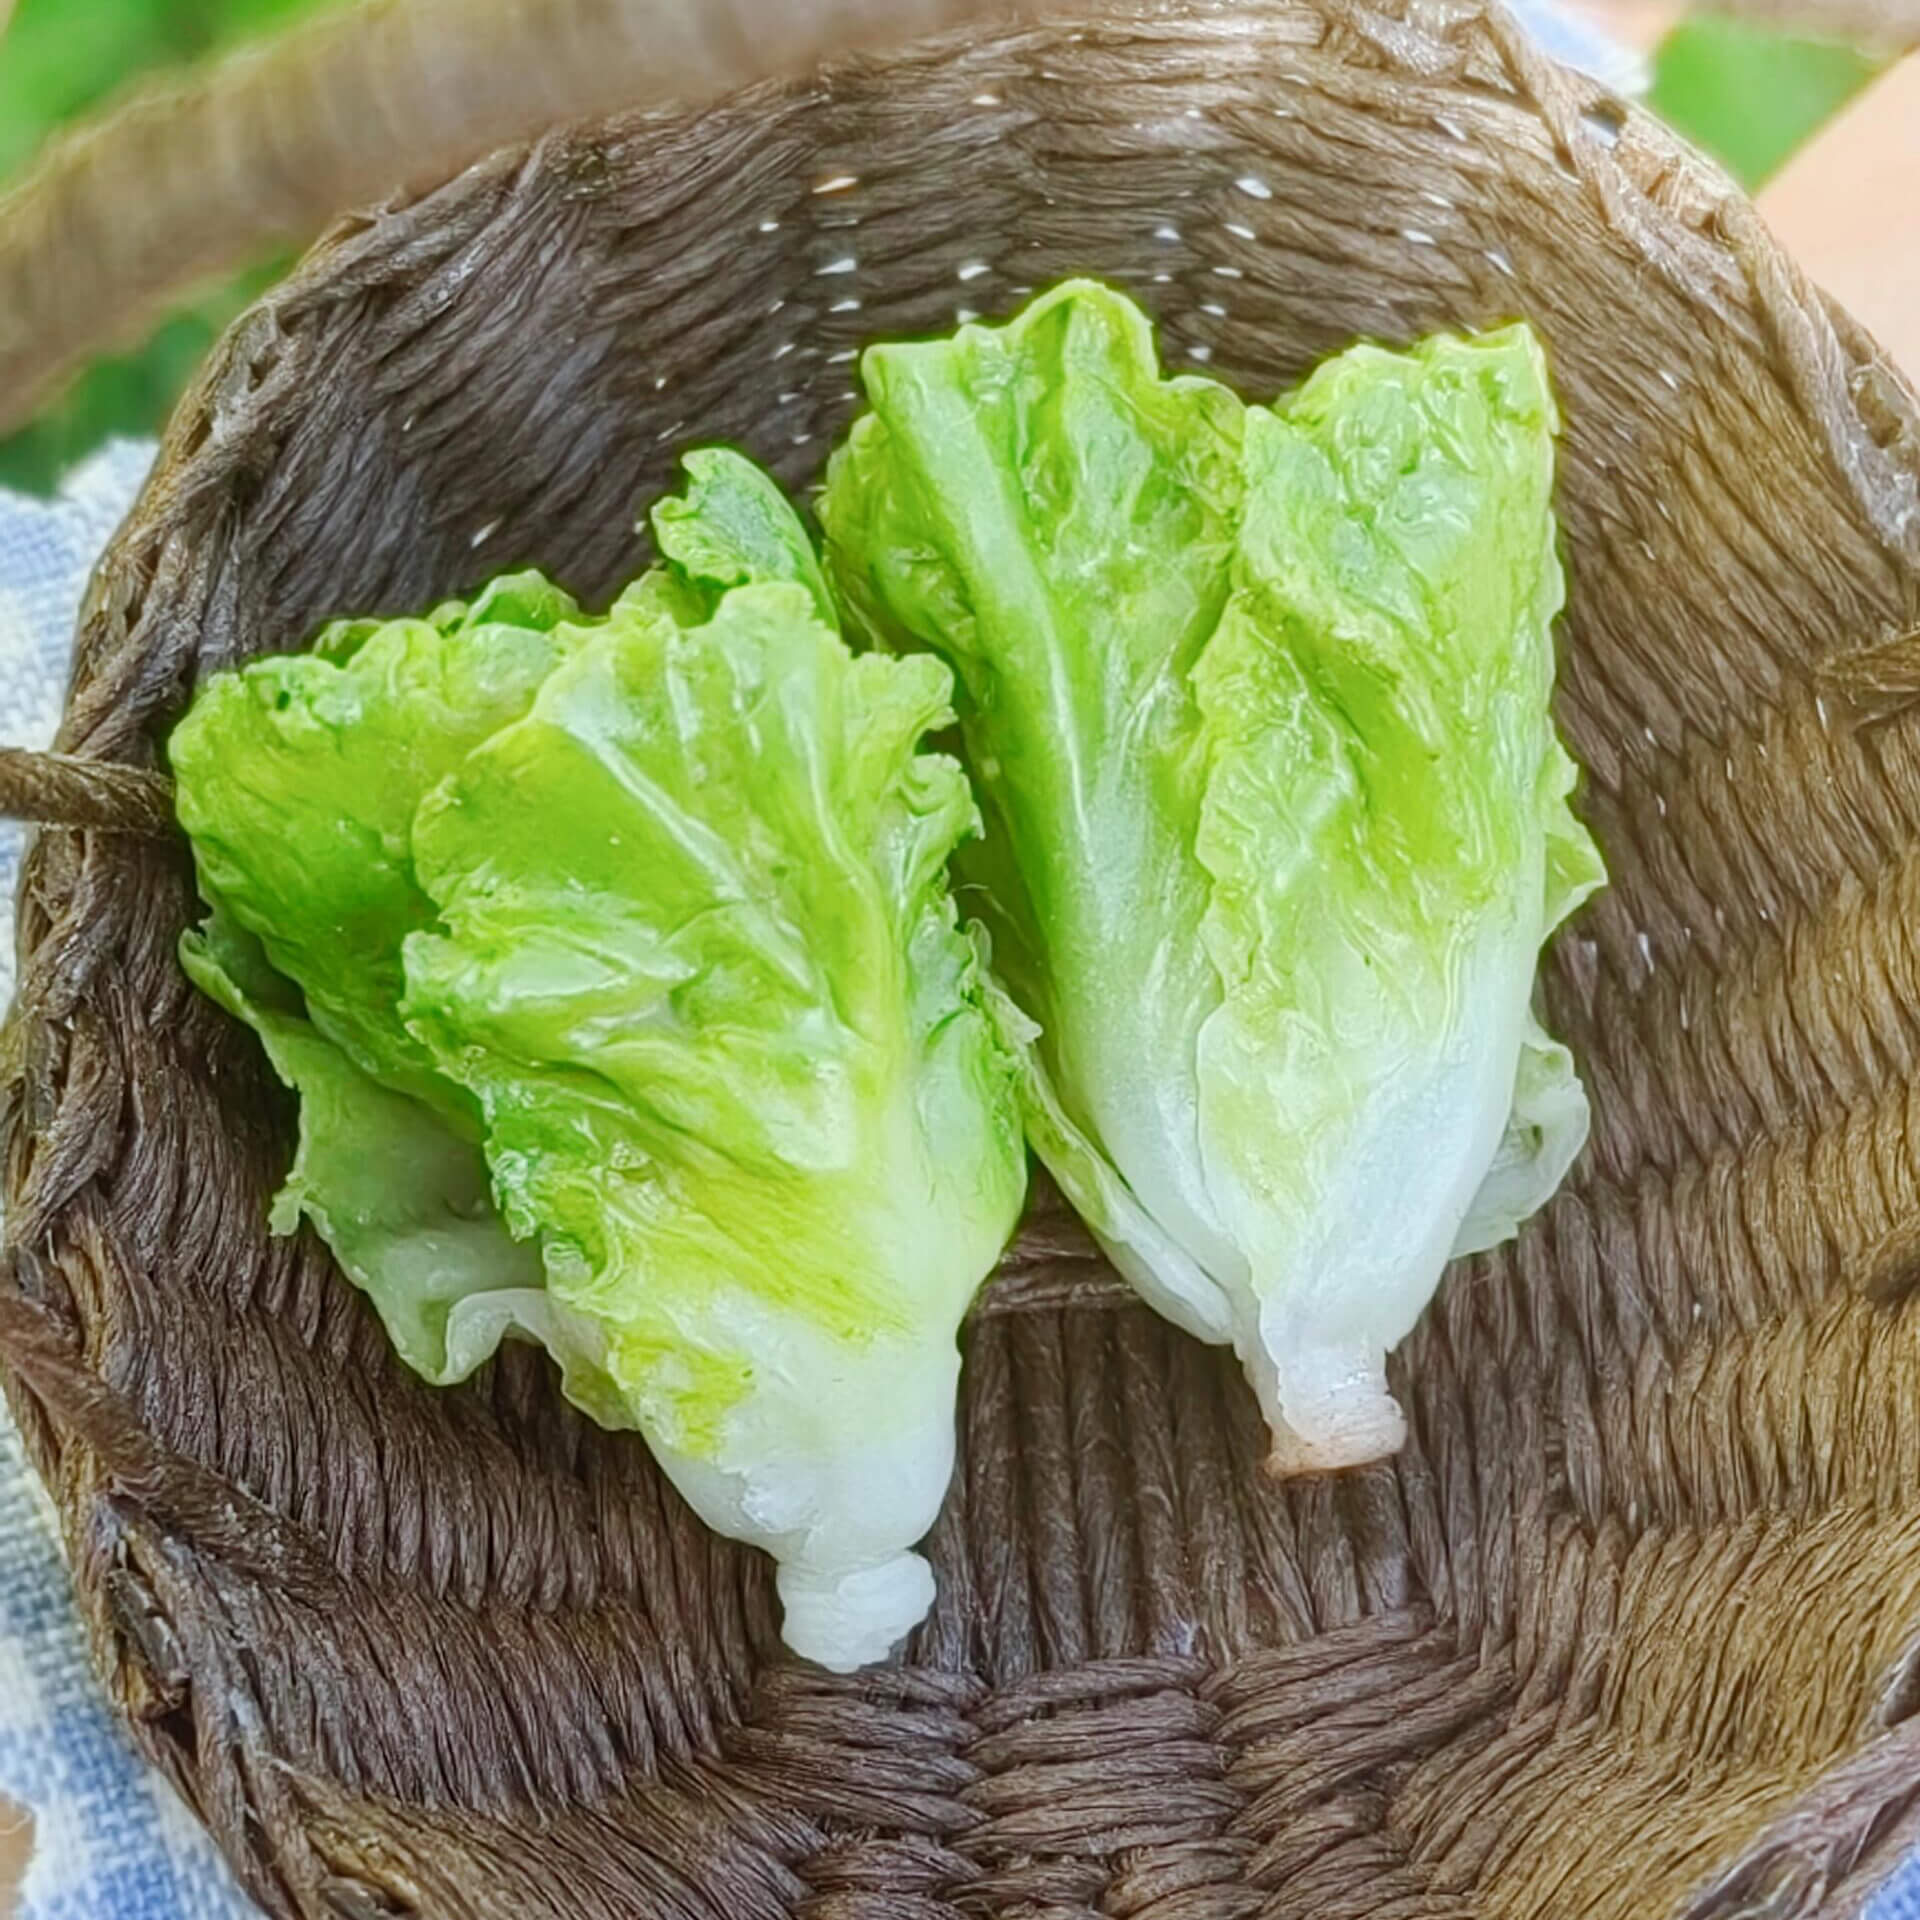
x: 641, y: 929
x: 1259, y: 705
x: 703, y: 972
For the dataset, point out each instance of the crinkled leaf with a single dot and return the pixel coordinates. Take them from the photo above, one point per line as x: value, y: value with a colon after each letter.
x: 703, y: 973
x: 1385, y: 806
x: 298, y: 778
x: 1057, y: 520
x: 733, y: 527
x: 401, y: 1200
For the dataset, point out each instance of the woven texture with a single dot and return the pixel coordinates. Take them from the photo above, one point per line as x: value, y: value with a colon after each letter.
x: 190, y: 175
x: 1633, y: 1627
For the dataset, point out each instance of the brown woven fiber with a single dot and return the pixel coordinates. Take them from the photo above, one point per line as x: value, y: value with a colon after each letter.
x: 1632, y: 1629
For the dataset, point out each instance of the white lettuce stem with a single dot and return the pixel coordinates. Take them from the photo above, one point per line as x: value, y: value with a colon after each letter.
x: 849, y: 1619
x: 1327, y: 1408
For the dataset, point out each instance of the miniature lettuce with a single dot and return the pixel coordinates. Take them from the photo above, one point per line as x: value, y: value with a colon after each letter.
x: 703, y: 972
x: 615, y: 965
x: 1259, y: 706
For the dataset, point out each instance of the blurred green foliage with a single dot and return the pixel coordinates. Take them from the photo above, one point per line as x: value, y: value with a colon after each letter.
x: 1747, y: 93
x: 131, y: 393
x: 58, y: 58
x: 1751, y: 94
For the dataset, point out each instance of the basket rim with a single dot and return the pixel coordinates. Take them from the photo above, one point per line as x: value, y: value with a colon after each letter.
x: 1673, y: 204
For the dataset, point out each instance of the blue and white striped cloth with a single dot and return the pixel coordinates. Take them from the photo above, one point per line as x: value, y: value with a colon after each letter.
x: 112, y: 1841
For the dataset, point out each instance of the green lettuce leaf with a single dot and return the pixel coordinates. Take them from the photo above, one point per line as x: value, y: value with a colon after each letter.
x: 403, y: 1202
x: 298, y: 778
x: 617, y: 971
x: 1551, y: 1117
x: 732, y: 527
x: 703, y: 973
x: 1259, y: 706
x: 1384, y: 807
x: 1059, y: 523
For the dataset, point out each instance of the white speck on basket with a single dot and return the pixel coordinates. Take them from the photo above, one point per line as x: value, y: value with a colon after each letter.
x: 483, y: 534
x: 1645, y: 944
x: 660, y: 382
x: 1435, y: 199
x: 1669, y: 380
x: 1820, y: 707
x: 1194, y: 113
x: 1202, y: 354
x: 840, y: 183
x: 1229, y: 273
x: 1214, y: 308
x: 783, y: 349
x: 965, y: 316
x: 1653, y: 739
x: 1418, y: 236
x: 987, y: 100
x: 802, y: 439
x: 845, y: 357
x: 845, y: 306
x: 1241, y: 231
x: 1163, y: 279
x: 1451, y: 128
x: 1660, y: 801
x: 975, y: 270
x: 1254, y: 187
x: 769, y: 226
x: 788, y: 398
x: 1171, y: 235
x: 406, y: 425
x: 779, y: 306
x: 1497, y: 256
x: 847, y: 263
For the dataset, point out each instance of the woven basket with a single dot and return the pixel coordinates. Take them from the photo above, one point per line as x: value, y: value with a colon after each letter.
x: 1632, y: 1628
